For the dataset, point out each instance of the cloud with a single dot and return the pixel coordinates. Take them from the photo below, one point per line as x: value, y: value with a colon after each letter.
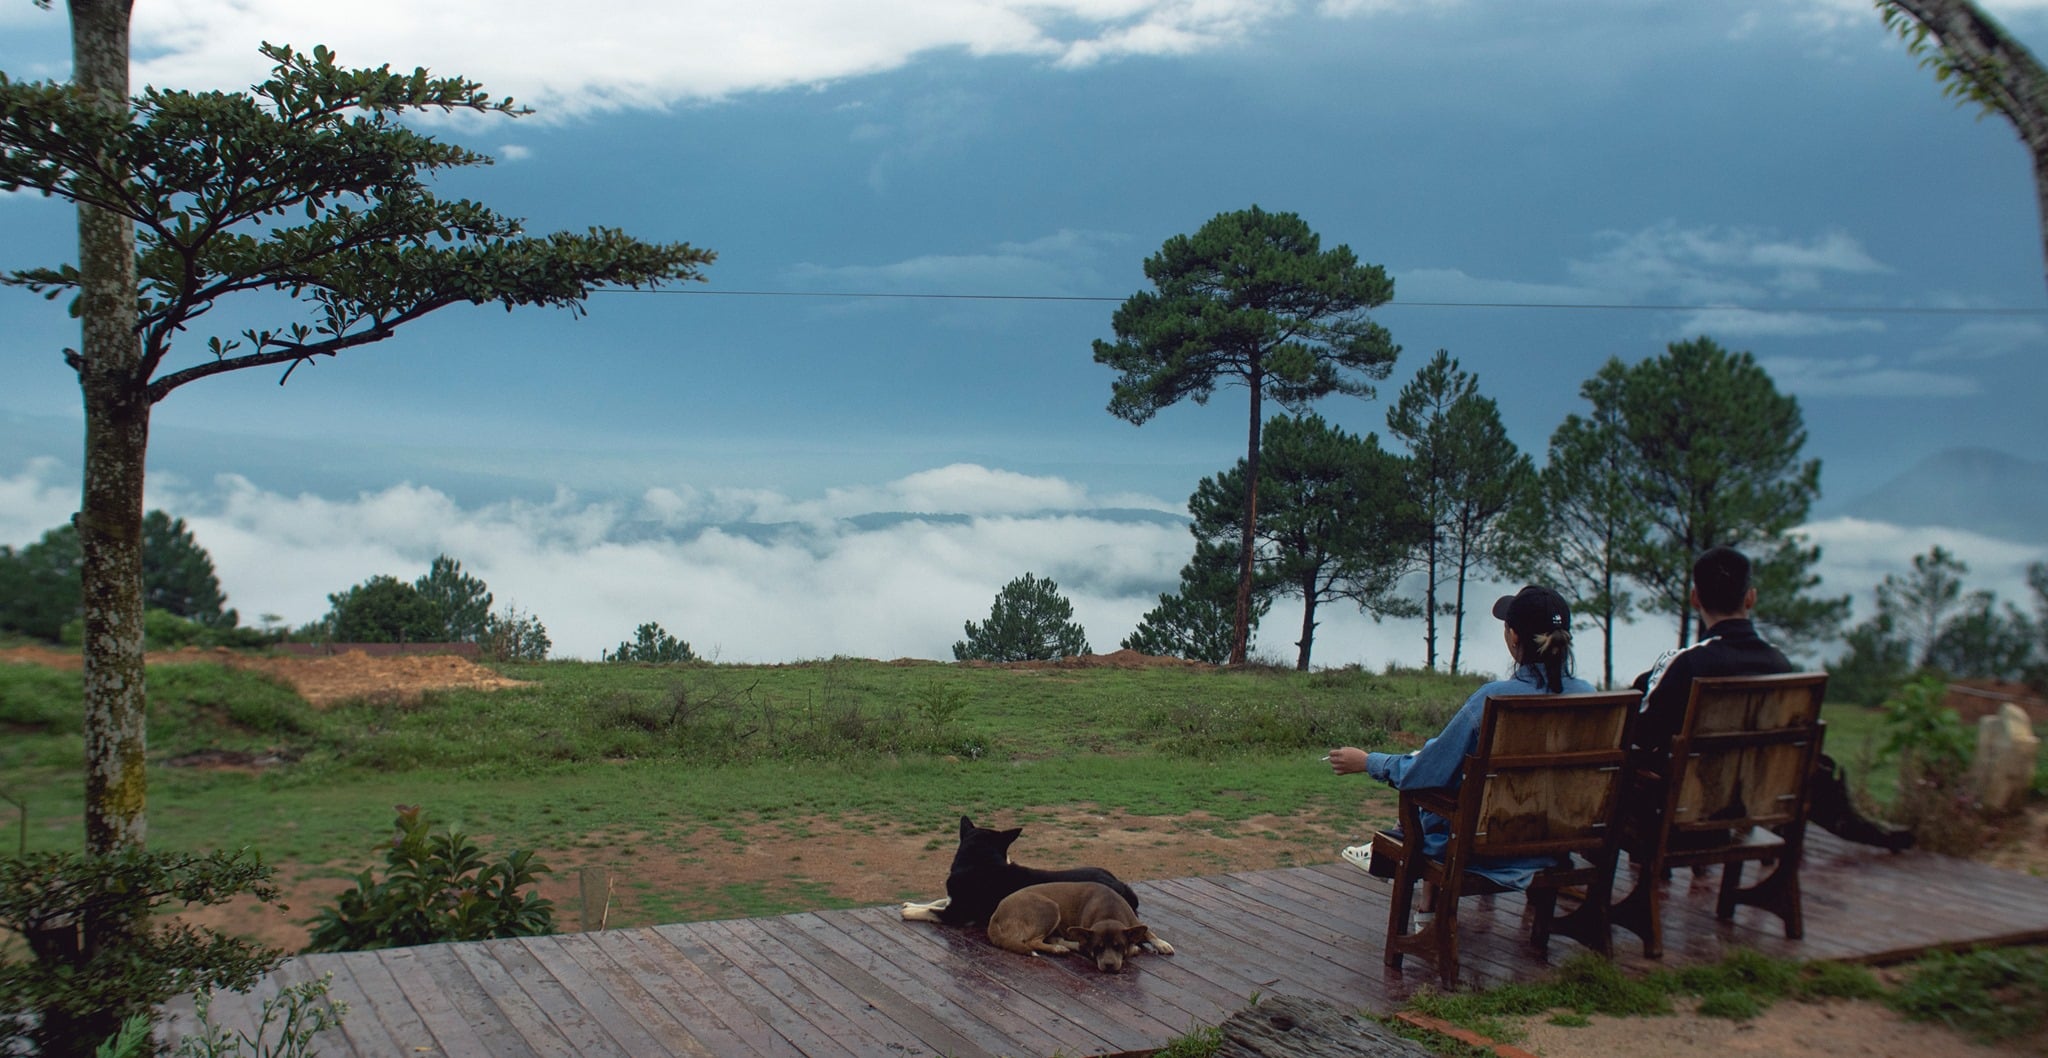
x: 1862, y: 376
x: 1986, y: 340
x: 1856, y: 555
x: 655, y: 53
x: 513, y: 152
x: 40, y: 498
x: 1711, y: 264
x: 1064, y: 263
x: 1455, y: 285
x: 1735, y: 323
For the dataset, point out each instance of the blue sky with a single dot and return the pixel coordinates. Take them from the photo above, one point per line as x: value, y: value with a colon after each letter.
x: 1778, y: 175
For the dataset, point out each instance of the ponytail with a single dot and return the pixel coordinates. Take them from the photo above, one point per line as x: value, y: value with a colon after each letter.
x: 1552, y: 650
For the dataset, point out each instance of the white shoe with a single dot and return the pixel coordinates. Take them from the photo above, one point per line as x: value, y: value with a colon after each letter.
x: 1360, y: 856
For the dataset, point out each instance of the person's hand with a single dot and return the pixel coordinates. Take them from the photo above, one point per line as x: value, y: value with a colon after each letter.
x: 1347, y: 760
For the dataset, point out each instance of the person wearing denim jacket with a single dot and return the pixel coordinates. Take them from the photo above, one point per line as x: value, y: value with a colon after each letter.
x: 1537, y: 629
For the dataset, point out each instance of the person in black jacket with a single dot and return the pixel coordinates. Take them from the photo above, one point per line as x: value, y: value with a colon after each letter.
x: 1724, y: 597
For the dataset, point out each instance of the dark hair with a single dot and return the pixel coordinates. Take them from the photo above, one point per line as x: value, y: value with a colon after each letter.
x: 1721, y: 577
x: 1553, y: 651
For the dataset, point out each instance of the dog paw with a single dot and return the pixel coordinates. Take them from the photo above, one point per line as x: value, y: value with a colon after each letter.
x: 1158, y: 946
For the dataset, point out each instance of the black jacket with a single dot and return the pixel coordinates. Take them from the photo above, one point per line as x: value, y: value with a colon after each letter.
x: 1731, y: 648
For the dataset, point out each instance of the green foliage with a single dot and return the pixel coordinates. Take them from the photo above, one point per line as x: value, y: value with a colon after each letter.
x: 177, y: 574
x: 39, y: 585
x: 652, y: 643
x: 1029, y: 621
x: 1463, y: 473
x: 1989, y: 994
x: 1712, y: 452
x: 1933, y: 748
x: 1334, y: 521
x: 384, y: 609
x: 1874, y: 666
x: 1251, y: 298
x: 436, y: 887
x: 1571, y: 528
x: 463, y: 601
x: 513, y: 634
x: 285, y: 1025
x: 1202, y: 1042
x: 1182, y: 627
x: 96, y: 959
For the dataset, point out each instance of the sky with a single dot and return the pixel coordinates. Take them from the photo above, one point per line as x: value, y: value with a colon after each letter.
x: 1551, y: 185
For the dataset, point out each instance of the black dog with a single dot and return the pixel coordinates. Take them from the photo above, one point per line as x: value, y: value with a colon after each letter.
x: 982, y: 875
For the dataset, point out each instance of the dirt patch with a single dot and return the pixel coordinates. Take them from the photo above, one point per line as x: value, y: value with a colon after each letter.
x: 321, y: 681
x: 1787, y: 1030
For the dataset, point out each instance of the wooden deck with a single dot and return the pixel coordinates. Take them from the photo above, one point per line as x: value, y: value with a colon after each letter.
x: 862, y: 982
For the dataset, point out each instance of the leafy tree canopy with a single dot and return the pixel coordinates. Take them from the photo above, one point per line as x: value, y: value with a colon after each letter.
x: 1029, y: 621
x: 384, y: 609
x: 464, y: 601
x: 651, y: 643
x: 1250, y: 299
x: 41, y: 584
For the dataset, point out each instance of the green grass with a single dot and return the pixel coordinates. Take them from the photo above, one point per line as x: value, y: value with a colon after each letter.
x: 1988, y: 995
x: 587, y: 755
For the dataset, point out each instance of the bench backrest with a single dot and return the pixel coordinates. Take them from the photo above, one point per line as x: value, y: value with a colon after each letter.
x: 1742, y: 756
x: 1546, y: 775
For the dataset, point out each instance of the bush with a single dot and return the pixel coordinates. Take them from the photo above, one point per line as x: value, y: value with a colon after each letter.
x: 1933, y: 749
x: 1029, y: 621
x: 437, y: 888
x: 96, y: 958
x: 651, y: 643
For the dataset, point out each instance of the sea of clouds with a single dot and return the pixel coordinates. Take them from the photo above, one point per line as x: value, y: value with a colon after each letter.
x: 885, y: 571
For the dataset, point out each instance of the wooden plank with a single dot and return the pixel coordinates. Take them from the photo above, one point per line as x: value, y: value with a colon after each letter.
x: 450, y: 1001
x: 544, y: 1019
x: 825, y: 1003
x: 602, y: 1026
x: 721, y: 1023
x: 961, y: 967
x: 947, y: 1029
x: 623, y: 986
x: 734, y: 981
x: 362, y: 1032
x: 392, y: 1007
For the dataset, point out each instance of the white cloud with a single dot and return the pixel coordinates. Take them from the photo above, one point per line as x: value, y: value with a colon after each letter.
x: 1711, y: 264
x: 1862, y: 376
x: 1734, y: 323
x: 36, y: 501
x: 1065, y: 262
x: 653, y: 53
x: 1455, y: 285
x: 1986, y: 340
x: 513, y: 152
x: 1857, y: 554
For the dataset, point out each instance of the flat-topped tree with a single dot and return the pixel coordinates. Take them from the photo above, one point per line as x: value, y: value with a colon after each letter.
x: 306, y: 186
x: 1251, y: 299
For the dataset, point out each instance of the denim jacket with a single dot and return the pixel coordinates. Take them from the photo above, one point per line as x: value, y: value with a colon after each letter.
x: 1441, y: 760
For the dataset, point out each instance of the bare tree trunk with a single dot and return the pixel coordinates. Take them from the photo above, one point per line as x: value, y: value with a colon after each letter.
x: 1241, y: 624
x: 1308, y: 623
x: 1998, y: 72
x: 109, y: 521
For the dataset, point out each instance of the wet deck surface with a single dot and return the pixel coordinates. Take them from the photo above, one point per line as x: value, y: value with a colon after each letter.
x: 862, y: 982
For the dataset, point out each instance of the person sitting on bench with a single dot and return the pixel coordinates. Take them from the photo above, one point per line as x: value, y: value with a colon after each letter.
x: 1725, y: 598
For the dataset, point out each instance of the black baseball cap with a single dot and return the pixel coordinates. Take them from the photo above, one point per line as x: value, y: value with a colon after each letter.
x: 1534, y: 609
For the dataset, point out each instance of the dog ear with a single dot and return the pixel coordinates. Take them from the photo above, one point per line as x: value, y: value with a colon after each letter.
x: 1006, y: 838
x: 1137, y: 935
x: 966, y: 826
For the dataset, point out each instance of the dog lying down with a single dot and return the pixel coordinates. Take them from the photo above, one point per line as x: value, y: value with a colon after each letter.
x: 982, y: 875
x: 1056, y: 918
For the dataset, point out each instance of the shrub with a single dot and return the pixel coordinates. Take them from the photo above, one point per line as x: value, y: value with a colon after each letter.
x: 1933, y: 749
x: 437, y: 888
x: 651, y: 643
x: 1029, y: 621
x: 95, y: 957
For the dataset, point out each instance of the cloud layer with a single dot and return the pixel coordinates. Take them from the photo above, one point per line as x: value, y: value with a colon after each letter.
x: 758, y: 577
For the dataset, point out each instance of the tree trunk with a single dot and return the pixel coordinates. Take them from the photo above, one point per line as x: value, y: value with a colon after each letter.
x: 1308, y: 623
x: 1458, y: 615
x: 1241, y: 623
x: 1429, y: 602
x: 109, y: 521
x: 2006, y: 75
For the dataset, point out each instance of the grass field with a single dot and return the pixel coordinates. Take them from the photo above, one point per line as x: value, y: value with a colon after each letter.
x: 588, y: 755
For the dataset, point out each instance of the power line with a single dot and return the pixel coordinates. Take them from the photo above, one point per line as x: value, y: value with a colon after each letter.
x: 1813, y: 310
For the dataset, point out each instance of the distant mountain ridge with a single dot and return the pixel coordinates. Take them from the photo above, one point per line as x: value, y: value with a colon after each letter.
x: 1980, y: 489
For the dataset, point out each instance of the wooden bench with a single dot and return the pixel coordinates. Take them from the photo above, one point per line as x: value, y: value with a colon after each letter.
x: 1731, y: 790
x: 1545, y: 779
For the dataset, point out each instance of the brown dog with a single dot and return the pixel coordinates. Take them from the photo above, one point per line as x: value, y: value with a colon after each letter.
x: 1061, y: 917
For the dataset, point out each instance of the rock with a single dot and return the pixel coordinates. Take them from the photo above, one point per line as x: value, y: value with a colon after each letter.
x: 1293, y: 1027
x: 2007, y: 748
